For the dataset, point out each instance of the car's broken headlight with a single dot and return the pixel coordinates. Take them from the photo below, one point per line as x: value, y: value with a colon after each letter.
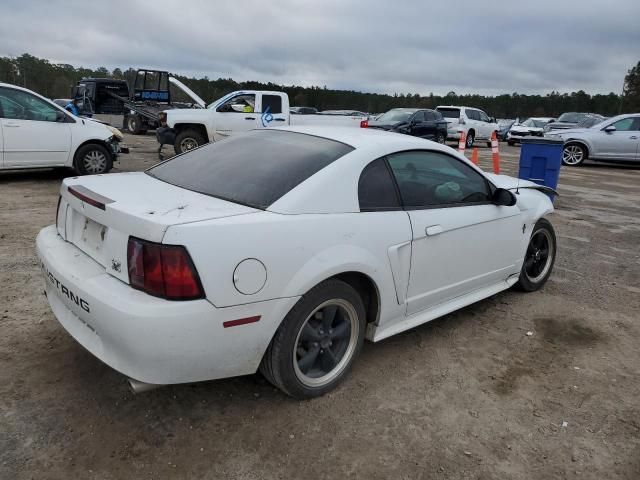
x: 116, y: 133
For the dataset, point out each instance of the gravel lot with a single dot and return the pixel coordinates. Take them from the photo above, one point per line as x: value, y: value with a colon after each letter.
x: 471, y: 395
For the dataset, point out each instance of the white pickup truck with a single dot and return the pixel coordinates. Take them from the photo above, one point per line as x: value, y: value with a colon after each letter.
x: 241, y: 111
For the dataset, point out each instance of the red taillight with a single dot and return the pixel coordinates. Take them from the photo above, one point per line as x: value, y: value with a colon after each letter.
x: 461, y: 121
x: 164, y: 271
x: 364, y: 123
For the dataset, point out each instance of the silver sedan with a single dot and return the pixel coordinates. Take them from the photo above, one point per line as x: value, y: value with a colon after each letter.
x: 615, y: 139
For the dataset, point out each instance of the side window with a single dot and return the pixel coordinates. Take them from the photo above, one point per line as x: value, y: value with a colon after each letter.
x: 274, y: 104
x: 431, y: 179
x: 428, y: 116
x: 244, y: 103
x: 636, y: 124
x: 472, y: 114
x: 624, y: 125
x: 376, y: 190
x: 418, y: 117
x: 483, y: 116
x: 19, y: 105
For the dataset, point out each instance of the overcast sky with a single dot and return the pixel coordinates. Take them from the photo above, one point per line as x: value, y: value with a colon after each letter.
x: 377, y: 46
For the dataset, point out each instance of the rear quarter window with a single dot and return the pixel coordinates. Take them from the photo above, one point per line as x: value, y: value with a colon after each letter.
x: 449, y: 112
x: 254, y: 169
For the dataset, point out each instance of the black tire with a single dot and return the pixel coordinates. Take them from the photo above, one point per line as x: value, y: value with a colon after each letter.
x: 188, y: 137
x: 92, y: 159
x: 281, y: 365
x: 574, y: 155
x: 510, y: 143
x: 441, y: 138
x: 470, y: 138
x: 532, y: 279
x: 489, y: 144
x: 134, y: 124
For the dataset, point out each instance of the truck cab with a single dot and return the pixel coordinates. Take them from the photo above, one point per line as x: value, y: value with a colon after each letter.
x: 236, y: 112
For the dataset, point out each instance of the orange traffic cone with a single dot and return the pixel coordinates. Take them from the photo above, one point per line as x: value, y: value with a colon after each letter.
x: 474, y: 156
x: 463, y: 142
x: 495, y: 154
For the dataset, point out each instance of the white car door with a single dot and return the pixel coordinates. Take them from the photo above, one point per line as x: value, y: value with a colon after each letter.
x: 619, y: 144
x: 32, y: 131
x: 486, y: 126
x: 271, y: 111
x: 237, y: 114
x: 461, y: 241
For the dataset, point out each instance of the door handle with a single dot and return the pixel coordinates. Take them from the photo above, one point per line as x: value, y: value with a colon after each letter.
x: 633, y: 137
x: 11, y: 125
x: 433, y: 230
x: 279, y: 119
x: 249, y: 118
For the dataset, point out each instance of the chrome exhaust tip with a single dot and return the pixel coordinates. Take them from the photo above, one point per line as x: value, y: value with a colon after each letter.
x: 137, y: 386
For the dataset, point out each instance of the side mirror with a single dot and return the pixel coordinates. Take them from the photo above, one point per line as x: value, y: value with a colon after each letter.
x: 60, y: 116
x: 502, y: 197
x: 493, y: 120
x: 610, y: 129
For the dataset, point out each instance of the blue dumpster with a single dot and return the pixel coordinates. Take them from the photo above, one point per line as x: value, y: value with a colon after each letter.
x: 540, y: 160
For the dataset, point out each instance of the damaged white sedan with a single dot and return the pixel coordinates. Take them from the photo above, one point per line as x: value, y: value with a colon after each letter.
x: 282, y: 250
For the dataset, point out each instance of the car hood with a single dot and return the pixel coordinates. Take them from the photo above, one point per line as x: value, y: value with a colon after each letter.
x: 386, y: 125
x: 522, y: 128
x: 561, y: 125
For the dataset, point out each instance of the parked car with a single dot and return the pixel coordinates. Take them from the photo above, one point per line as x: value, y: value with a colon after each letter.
x: 282, y: 249
x: 242, y: 111
x: 418, y: 122
x: 533, y: 126
x: 348, y: 113
x: 567, y: 120
x: 615, y: 139
x: 590, y: 121
x: 476, y: 124
x: 303, y: 110
x: 503, y: 128
x: 35, y: 132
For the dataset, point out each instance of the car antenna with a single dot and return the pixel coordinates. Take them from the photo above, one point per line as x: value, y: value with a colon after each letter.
x: 518, y: 186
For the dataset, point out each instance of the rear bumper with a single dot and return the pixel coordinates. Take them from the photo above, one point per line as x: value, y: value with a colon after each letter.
x: 147, y: 338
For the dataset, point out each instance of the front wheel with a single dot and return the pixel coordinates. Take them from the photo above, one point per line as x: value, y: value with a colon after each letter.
x: 470, y: 139
x: 573, y: 155
x: 188, y: 140
x: 539, y: 258
x: 317, y: 342
x: 92, y: 159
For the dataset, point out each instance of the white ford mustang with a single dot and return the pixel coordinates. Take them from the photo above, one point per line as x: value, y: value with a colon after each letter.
x: 281, y: 250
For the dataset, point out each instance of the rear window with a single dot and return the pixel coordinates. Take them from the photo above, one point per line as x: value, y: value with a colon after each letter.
x: 254, y: 169
x: 450, y: 112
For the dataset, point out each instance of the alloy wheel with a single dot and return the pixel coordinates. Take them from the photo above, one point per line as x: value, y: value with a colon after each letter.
x: 326, y: 342
x: 572, y: 155
x: 188, y: 143
x: 539, y: 256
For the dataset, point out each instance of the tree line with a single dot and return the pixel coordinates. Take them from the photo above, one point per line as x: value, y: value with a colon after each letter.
x: 56, y: 80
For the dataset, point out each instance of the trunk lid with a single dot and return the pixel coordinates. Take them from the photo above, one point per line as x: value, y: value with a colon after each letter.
x: 99, y: 213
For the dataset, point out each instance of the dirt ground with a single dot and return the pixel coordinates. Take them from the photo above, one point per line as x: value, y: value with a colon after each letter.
x: 470, y: 396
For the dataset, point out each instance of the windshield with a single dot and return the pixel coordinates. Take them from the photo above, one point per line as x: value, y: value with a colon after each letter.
x: 534, y: 123
x: 393, y: 116
x: 571, y: 117
x: 254, y: 169
x: 449, y: 112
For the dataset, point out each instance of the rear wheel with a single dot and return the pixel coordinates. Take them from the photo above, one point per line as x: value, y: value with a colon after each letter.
x: 441, y: 138
x: 134, y: 124
x: 573, y: 154
x: 188, y: 140
x: 539, y: 258
x: 317, y: 342
x: 93, y: 159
